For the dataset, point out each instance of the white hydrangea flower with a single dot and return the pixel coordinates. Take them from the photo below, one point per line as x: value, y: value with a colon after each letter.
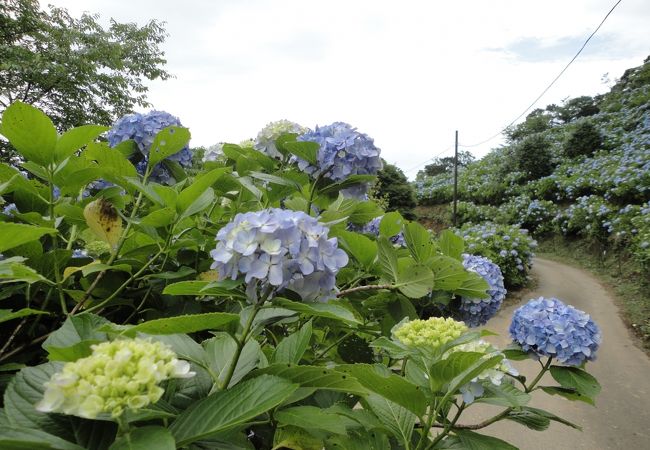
x: 118, y: 375
x: 213, y: 153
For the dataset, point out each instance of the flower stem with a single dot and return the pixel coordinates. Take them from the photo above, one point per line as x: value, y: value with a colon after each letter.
x: 240, y: 346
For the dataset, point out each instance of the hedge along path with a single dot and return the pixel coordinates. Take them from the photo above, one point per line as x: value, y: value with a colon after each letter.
x: 621, y: 418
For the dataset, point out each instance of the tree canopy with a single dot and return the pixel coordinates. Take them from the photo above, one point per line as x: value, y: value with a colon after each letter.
x: 74, y: 69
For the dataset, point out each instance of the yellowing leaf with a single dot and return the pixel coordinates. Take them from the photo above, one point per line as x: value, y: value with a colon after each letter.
x: 102, y: 218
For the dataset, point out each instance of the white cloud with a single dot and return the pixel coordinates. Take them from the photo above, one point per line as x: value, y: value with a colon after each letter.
x: 406, y: 73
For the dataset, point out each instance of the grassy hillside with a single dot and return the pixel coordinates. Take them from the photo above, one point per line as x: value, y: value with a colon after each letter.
x: 578, y: 172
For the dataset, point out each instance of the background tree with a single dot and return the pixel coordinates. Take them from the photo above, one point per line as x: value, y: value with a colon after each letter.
x: 394, y: 188
x: 533, y: 156
x: 74, y: 69
x: 446, y: 164
x: 584, y: 139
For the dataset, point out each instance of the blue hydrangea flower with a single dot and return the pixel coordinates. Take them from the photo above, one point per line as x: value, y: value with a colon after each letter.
x: 477, y: 311
x: 142, y: 129
x: 548, y: 327
x: 213, y: 153
x: 280, y: 249
x: 343, y: 152
x: 9, y: 209
x: 372, y: 227
x: 265, y: 141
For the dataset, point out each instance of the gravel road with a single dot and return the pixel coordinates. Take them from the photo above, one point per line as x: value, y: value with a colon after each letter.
x: 621, y: 418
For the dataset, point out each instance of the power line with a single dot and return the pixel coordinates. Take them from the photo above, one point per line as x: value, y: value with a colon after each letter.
x: 428, y: 160
x: 552, y: 82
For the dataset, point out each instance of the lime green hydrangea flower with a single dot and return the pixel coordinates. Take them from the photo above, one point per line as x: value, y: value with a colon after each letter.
x: 118, y: 375
x: 432, y: 333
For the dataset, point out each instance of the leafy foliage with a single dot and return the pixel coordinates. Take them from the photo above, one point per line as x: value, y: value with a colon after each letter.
x: 152, y: 336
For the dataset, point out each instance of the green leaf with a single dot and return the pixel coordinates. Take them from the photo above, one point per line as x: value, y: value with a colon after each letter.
x: 351, y: 181
x: 529, y: 419
x: 550, y: 416
x: 203, y: 201
x: 274, y: 179
x: 220, y: 351
x: 112, y: 163
x: 449, y: 274
x: 218, y: 288
x: 475, y: 441
x: 311, y: 418
x: 159, y: 218
x: 396, y: 418
x: 444, y: 371
x: 452, y: 245
x: 379, y: 380
x: 415, y: 280
x: 418, y: 241
x: 503, y: 395
x: 76, y: 138
x: 515, y: 353
x: 17, y: 438
x: 12, y: 270
x: 330, y: 310
x: 7, y: 314
x: 75, y: 329
x: 576, y: 378
x: 30, y: 131
x: 291, y: 348
x: 15, y: 234
x: 391, y: 224
x: 474, y: 286
x: 190, y: 194
x: 387, y: 257
x: 568, y: 393
x: 231, y: 408
x: 316, y: 377
x: 363, y: 249
x: 304, y: 150
x: 145, y: 438
x: 24, y: 391
x: 167, y: 142
x: 189, y: 323
x: 72, y: 352
x: 294, y: 438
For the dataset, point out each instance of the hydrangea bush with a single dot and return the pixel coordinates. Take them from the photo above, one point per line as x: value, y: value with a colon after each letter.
x: 233, y: 305
x: 477, y: 311
x: 510, y: 247
x: 548, y: 327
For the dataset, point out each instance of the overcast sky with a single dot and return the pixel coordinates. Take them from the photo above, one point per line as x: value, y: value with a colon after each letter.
x: 407, y: 73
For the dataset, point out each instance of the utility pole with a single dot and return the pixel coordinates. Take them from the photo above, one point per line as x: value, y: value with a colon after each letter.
x: 455, y: 179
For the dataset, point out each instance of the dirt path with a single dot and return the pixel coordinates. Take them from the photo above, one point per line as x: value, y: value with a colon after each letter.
x: 621, y: 418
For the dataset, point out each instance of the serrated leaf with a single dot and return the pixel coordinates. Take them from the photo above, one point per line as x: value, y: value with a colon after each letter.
x: 418, y: 242
x: 293, y: 347
x: 387, y: 258
x: 390, y: 386
x: 503, y: 395
x: 17, y: 438
x: 391, y: 224
x: 30, y: 131
x: 189, y: 195
x: 220, y: 351
x: 415, y: 280
x: 189, y: 323
x: 329, y: 310
x: 231, y: 408
x: 311, y: 417
x: 15, y: 234
x: 305, y: 150
x: 452, y: 245
x: 7, y: 314
x: 316, y: 377
x: 167, y: 142
x: 360, y: 247
x: 145, y: 438
x: 76, y: 138
x: 576, y: 378
x: 399, y: 420
x: 476, y: 441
